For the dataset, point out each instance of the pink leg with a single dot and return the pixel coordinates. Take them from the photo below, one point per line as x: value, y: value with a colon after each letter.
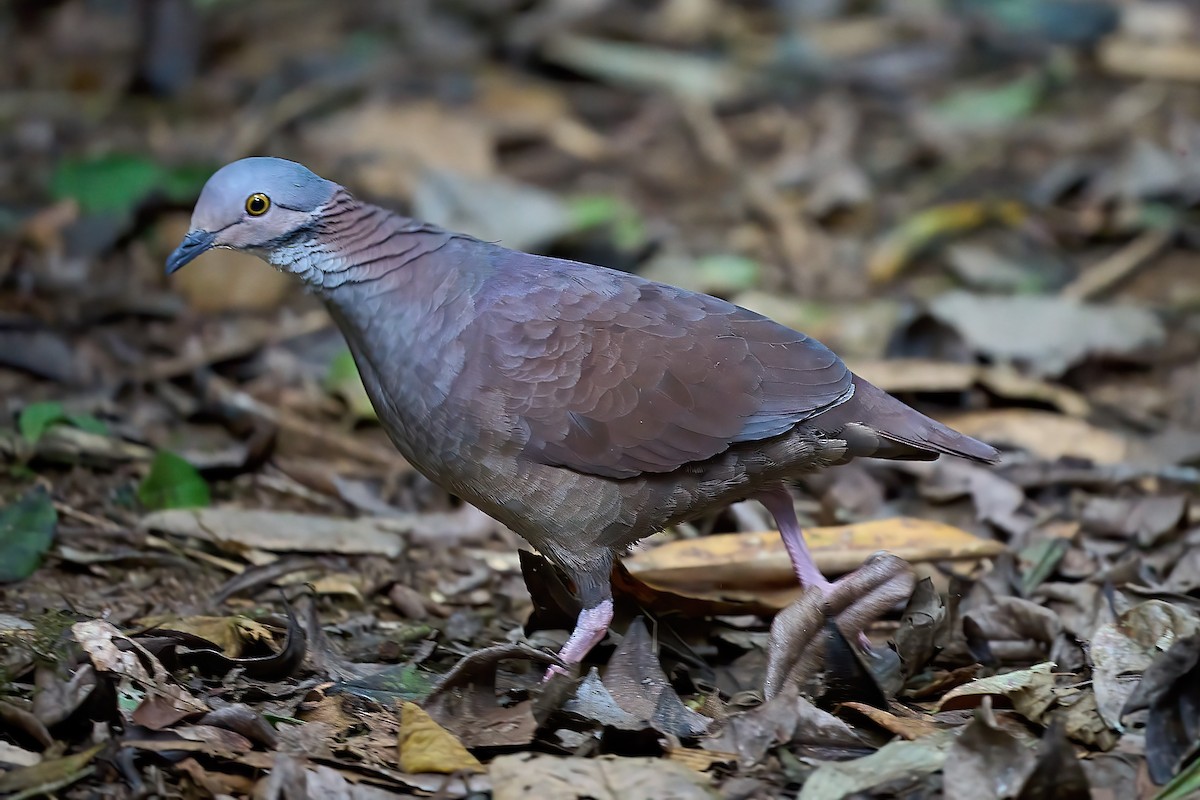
x: 590, y: 628
x: 779, y: 503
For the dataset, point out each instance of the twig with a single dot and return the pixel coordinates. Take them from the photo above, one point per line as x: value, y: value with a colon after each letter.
x: 1107, y: 273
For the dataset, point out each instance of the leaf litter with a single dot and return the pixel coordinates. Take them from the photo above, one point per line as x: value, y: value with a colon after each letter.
x: 220, y: 579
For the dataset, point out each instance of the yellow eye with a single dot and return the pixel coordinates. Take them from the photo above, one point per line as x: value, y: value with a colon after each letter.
x: 257, y: 204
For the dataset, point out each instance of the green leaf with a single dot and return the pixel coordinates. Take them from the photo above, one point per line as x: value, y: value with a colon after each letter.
x: 343, y: 380
x: 172, y: 483
x: 987, y: 108
x: 117, y: 183
x: 26, y: 533
x: 37, y: 417
x: 86, y: 422
x: 114, y: 183
x: 594, y: 211
x: 726, y: 273
x: 1184, y: 785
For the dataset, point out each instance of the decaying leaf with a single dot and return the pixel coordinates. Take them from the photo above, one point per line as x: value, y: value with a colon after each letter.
x: 638, y: 685
x: 986, y: 761
x: 1170, y: 689
x: 516, y: 777
x: 231, y: 634
x: 1050, y: 333
x: 1122, y: 651
x: 833, y: 780
x: 1031, y: 691
x: 156, y: 701
x: 50, y: 775
x: 239, y: 529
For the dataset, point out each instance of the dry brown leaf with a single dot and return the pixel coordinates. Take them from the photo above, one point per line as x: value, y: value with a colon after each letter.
x: 1122, y: 650
x: 1031, y: 691
x: 226, y: 280
x: 165, y: 701
x: 1043, y: 433
x: 909, y: 727
x: 756, y: 562
x: 386, y: 146
x: 426, y: 746
x: 231, y: 634
x: 524, y: 775
x: 699, y: 760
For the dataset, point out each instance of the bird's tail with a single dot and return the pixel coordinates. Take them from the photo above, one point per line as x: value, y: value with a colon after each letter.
x: 875, y: 424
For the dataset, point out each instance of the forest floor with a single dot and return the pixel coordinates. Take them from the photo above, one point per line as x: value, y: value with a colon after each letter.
x: 218, y: 578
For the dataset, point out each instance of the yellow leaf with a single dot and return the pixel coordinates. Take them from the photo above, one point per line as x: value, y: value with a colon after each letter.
x: 426, y: 746
x: 902, y: 243
x: 724, y: 564
x: 231, y: 634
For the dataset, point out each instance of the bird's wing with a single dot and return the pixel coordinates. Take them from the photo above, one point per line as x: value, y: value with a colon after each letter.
x: 613, y: 375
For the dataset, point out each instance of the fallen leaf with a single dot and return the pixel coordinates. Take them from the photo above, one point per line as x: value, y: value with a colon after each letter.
x: 901, y: 244
x: 784, y: 719
x: 1049, y: 333
x: 241, y: 529
x: 1144, y: 519
x: 638, y: 66
x: 1031, y: 691
x: 426, y: 746
x: 985, y: 761
x: 981, y: 109
x: 922, y: 627
x: 492, y: 209
x: 1056, y: 770
x: 141, y: 674
x: 1170, y: 689
x: 524, y: 775
x: 172, y: 483
x: 833, y: 780
x: 27, y: 529
x: 725, y: 565
x: 1045, y: 434
x: 1124, y: 649
x: 230, y: 634
x: 50, y: 775
x: 910, y: 726
x: 386, y: 165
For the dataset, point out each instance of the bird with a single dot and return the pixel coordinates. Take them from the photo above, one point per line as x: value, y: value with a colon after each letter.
x: 585, y: 408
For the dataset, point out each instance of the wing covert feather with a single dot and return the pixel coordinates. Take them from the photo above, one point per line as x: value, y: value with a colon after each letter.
x: 610, y: 374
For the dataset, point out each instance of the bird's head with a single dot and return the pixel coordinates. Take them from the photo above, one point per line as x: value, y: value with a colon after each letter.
x: 258, y: 205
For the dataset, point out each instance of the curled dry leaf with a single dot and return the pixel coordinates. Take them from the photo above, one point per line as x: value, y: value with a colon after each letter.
x: 1031, y: 691
x: 1122, y: 650
x: 163, y: 702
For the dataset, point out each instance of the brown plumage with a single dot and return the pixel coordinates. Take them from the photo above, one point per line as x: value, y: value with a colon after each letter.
x: 583, y: 407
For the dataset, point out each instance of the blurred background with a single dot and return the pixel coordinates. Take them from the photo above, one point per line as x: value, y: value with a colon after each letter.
x: 941, y: 180
x: 988, y: 207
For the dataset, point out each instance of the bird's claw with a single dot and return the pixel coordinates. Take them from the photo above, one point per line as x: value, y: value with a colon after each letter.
x: 795, y: 648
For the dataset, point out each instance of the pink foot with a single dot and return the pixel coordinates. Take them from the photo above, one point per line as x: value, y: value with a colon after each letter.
x: 590, y: 628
